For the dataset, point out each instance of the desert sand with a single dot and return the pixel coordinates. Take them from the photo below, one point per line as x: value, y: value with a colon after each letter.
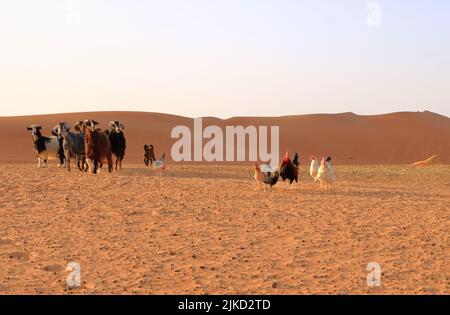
x: 205, y: 229
x: 397, y: 138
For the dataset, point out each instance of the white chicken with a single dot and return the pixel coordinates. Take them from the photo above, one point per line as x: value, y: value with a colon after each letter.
x: 160, y: 165
x: 326, y: 173
x: 314, y: 168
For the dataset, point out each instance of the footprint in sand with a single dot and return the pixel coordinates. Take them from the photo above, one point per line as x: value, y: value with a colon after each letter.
x: 5, y: 241
x: 6, y: 245
x: 53, y: 268
x: 19, y: 255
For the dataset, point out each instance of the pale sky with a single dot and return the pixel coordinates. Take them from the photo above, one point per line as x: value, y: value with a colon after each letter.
x: 223, y: 58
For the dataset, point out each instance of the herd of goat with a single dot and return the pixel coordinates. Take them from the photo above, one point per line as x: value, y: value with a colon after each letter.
x: 90, y: 146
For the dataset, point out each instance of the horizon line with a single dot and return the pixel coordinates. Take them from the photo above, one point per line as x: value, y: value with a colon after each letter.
x: 219, y: 118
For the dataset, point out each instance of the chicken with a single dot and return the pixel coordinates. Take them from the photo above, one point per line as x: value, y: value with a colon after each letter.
x: 270, y: 179
x: 160, y: 165
x: 265, y: 176
x: 314, y: 168
x: 289, y: 169
x: 326, y: 173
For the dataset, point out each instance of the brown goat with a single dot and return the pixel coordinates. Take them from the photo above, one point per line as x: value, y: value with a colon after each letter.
x: 97, y: 147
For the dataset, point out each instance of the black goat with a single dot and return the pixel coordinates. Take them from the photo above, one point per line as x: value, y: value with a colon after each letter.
x: 118, y: 142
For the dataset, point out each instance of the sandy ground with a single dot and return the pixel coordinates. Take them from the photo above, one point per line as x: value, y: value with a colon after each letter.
x: 209, y: 230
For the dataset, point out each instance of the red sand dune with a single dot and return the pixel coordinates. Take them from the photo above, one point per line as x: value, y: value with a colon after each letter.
x: 397, y: 138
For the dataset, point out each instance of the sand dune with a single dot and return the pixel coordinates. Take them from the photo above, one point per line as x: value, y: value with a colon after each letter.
x: 397, y: 138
